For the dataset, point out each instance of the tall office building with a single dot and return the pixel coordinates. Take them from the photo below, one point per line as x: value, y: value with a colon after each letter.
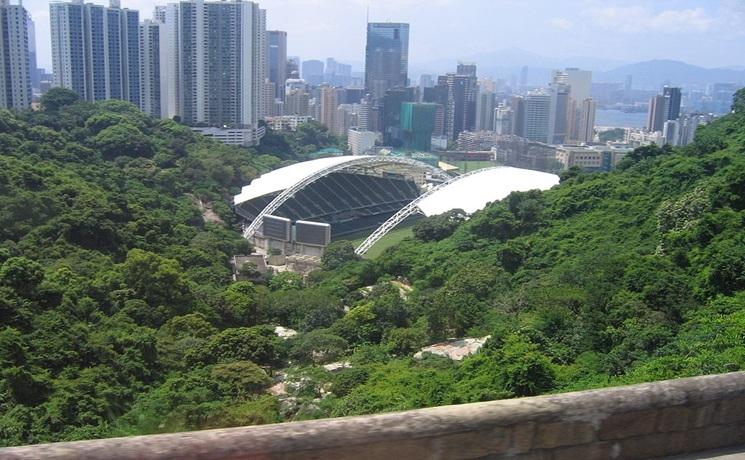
x: 460, y: 105
x: 15, y: 84
x: 96, y: 50
x: 656, y: 115
x: 417, y: 125
x: 277, y: 60
x: 386, y: 57
x: 537, y: 116
x: 672, y: 97
x: 313, y: 72
x: 217, y: 63
x: 485, y: 105
x: 152, y: 38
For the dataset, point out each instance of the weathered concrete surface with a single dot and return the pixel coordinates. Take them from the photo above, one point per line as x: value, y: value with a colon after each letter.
x: 633, y: 422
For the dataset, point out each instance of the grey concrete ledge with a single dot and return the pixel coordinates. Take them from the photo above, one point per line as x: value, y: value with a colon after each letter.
x: 415, y: 431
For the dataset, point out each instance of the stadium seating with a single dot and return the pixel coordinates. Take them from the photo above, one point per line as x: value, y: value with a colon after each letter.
x: 349, y: 202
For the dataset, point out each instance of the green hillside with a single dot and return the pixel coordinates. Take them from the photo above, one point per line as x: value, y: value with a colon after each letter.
x: 117, y: 314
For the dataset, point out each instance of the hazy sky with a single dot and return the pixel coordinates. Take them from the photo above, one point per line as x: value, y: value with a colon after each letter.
x: 709, y: 33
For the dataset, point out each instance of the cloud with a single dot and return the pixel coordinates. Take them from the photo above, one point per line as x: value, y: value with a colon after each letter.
x: 560, y: 23
x: 640, y: 19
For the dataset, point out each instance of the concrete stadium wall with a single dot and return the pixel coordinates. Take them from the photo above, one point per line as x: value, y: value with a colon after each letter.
x: 632, y: 422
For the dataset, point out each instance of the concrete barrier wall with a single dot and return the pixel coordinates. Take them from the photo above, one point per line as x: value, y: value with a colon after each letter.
x: 632, y: 422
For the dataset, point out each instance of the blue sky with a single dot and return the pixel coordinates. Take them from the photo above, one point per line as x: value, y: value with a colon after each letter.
x: 709, y: 33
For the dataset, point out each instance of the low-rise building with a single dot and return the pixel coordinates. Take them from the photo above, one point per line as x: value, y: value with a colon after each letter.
x: 593, y: 158
x: 286, y: 122
x: 245, y: 137
x: 360, y: 141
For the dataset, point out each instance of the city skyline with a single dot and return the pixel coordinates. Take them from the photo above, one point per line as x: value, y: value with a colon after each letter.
x: 584, y: 28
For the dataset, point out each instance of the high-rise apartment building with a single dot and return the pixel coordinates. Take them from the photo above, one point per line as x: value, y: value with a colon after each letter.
x: 656, y: 116
x: 152, y: 83
x: 32, y: 61
x: 216, y: 67
x: 328, y: 106
x: 96, y: 50
x: 485, y: 105
x: 277, y: 60
x: 15, y: 84
x: 587, y: 121
x: 297, y: 102
x: 386, y: 57
x: 503, y: 120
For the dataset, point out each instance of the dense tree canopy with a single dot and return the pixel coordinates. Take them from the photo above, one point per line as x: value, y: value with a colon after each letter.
x: 118, y: 314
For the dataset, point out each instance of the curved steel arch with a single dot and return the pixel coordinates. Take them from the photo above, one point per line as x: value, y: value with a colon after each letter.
x: 286, y: 194
x: 408, y: 210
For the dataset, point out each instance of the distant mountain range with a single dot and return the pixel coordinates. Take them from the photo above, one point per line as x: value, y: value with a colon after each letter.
x: 648, y: 74
x: 656, y: 72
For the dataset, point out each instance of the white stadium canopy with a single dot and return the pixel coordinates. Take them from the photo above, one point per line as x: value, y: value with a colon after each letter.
x: 473, y: 192
x: 469, y: 192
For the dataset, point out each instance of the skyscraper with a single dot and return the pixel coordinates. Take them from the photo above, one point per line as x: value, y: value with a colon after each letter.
x: 579, y: 83
x: 15, y: 84
x: 386, y: 57
x: 96, y: 51
x: 217, y: 63
x: 277, y: 60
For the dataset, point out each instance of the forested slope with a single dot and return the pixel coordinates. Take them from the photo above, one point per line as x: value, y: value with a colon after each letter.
x: 119, y: 318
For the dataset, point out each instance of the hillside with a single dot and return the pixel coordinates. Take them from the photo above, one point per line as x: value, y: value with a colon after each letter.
x: 118, y: 317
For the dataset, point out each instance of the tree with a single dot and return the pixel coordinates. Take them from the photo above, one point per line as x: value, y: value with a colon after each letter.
x: 123, y: 139
x: 21, y: 274
x: 56, y: 98
x: 256, y: 344
x: 318, y: 346
x: 438, y: 227
x: 337, y: 253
